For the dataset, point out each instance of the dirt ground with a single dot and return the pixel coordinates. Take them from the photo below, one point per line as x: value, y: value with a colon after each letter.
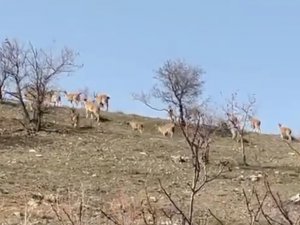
x: 102, y: 166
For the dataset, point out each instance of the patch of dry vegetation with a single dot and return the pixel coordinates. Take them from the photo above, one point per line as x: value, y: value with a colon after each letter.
x: 113, y: 160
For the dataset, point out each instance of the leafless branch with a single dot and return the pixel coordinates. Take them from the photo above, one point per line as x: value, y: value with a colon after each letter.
x: 278, y: 203
x: 57, y: 215
x: 173, y: 202
x: 215, y: 217
x: 233, y: 110
x: 69, y: 216
x: 109, y: 217
x: 145, y: 99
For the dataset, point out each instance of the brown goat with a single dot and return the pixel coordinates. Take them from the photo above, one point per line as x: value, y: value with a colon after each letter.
x: 31, y: 96
x: 136, y: 126
x: 102, y: 100
x: 73, y: 97
x: 92, y: 109
x: 255, y: 124
x: 167, y: 129
x: 55, y: 98
x: 285, y: 132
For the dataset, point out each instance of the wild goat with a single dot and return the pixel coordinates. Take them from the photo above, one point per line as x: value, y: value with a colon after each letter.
x: 102, y: 100
x: 285, y: 132
x: 167, y: 129
x: 92, y: 109
x: 255, y: 124
x: 74, y: 118
x: 31, y: 96
x: 55, y: 98
x: 73, y: 97
x: 136, y: 126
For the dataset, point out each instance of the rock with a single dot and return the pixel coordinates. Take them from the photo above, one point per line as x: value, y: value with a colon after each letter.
x: 14, y: 221
x: 179, y: 158
x: 17, y: 214
x: 143, y: 153
x: 50, y: 198
x: 239, y: 178
x: 32, y: 150
x: 295, y: 198
x: 236, y: 190
x: 153, y: 199
x: 32, y: 203
x: 254, y: 178
x: 4, y: 191
x: 36, y: 195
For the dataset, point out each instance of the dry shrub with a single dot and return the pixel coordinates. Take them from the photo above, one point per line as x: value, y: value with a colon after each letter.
x: 125, y: 209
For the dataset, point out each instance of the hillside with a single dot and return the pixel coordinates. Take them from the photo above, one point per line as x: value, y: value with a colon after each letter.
x: 112, y: 162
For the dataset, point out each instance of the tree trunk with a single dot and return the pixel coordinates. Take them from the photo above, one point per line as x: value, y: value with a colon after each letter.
x: 181, y: 115
x: 1, y: 93
x: 37, y: 118
x: 243, y: 151
x: 205, y: 156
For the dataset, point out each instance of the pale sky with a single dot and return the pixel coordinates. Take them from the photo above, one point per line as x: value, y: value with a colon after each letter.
x: 252, y: 46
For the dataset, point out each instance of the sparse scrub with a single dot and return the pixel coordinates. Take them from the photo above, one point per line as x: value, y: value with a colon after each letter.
x: 112, y: 160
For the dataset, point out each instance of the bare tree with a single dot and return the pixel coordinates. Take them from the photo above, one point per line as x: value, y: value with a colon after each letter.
x: 13, y: 56
x: 34, y: 70
x: 238, y: 117
x: 180, y: 85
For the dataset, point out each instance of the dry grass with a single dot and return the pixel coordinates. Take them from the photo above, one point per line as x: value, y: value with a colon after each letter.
x: 112, y: 159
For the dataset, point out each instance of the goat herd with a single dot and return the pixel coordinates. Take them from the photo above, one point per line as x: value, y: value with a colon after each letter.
x: 234, y: 125
x: 92, y: 109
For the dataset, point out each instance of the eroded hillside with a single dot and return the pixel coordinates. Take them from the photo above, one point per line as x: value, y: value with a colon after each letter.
x: 112, y: 162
